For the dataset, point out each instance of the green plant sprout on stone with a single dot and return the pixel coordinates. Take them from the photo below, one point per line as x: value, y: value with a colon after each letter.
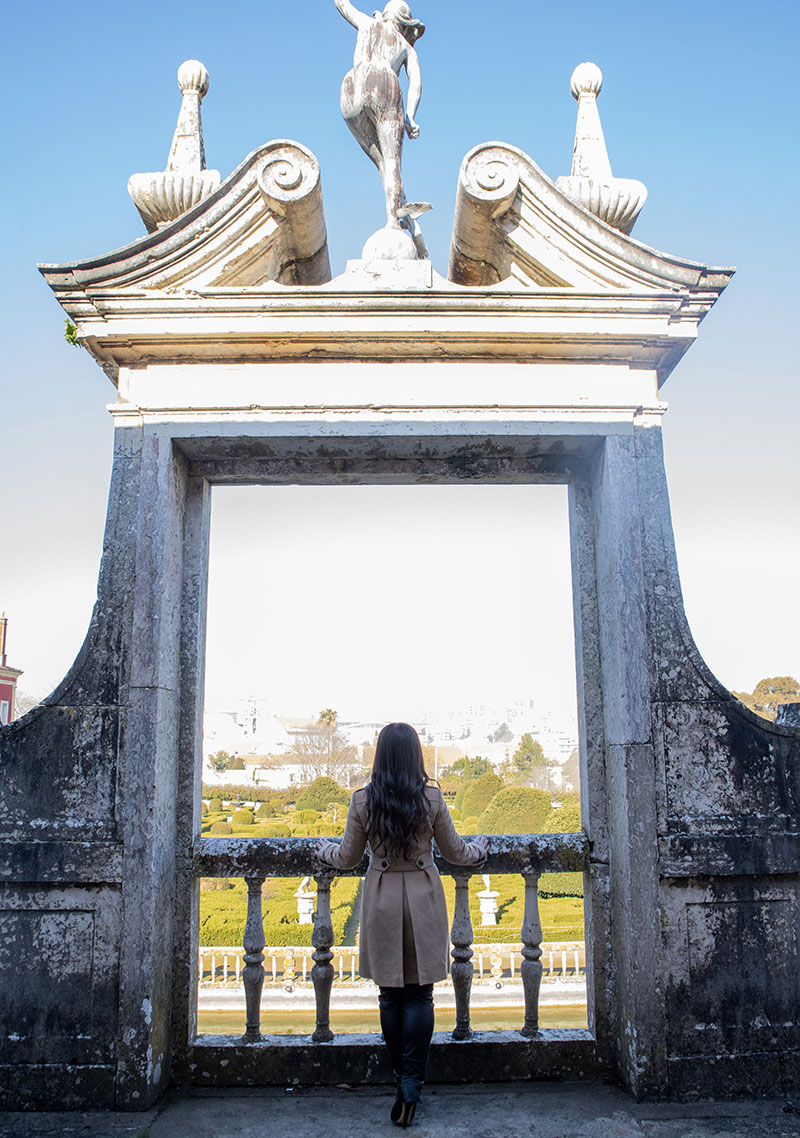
x: 71, y: 333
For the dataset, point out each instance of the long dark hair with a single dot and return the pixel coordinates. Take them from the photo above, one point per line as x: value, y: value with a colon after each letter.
x: 397, y: 808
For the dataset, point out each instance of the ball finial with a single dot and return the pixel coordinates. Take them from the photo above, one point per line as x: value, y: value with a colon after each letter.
x: 587, y: 79
x: 192, y: 76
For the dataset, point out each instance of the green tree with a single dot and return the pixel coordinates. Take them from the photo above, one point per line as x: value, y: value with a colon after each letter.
x: 467, y: 768
x: 320, y: 793
x: 503, y: 734
x: 515, y: 810
x: 529, y: 754
x: 220, y: 760
x: 769, y: 694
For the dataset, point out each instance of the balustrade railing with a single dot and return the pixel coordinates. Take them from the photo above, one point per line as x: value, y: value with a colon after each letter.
x: 255, y: 859
x: 289, y: 964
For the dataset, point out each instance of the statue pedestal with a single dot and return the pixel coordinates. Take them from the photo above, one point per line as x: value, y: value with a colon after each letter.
x: 396, y: 276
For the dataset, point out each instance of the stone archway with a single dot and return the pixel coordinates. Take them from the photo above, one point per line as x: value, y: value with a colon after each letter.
x: 394, y: 374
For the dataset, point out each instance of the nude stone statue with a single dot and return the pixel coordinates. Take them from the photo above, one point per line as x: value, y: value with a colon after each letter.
x: 372, y: 101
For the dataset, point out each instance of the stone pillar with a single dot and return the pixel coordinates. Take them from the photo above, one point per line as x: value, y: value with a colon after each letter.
x: 625, y: 670
x: 147, y: 771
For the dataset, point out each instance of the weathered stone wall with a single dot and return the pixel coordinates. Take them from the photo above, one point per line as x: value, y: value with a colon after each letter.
x: 727, y: 798
x: 690, y: 801
x: 61, y: 853
x: 87, y: 824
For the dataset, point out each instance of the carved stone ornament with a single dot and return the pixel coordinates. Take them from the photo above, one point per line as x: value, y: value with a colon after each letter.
x: 163, y: 196
x: 616, y: 201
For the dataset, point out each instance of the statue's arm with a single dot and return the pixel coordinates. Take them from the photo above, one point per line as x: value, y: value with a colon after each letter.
x: 352, y: 15
x: 414, y: 92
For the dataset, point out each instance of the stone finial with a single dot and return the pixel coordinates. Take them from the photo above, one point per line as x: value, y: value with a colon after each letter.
x: 193, y: 76
x: 587, y: 79
x: 162, y: 197
x: 617, y: 201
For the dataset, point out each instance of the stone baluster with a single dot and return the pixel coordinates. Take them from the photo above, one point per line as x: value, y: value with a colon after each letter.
x: 461, y: 968
x: 322, y: 972
x: 253, y: 972
x: 531, y: 966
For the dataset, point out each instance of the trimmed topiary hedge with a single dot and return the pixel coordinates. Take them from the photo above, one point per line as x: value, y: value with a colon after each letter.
x: 320, y: 793
x: 305, y: 817
x: 516, y: 810
x: 253, y: 793
x: 242, y: 818
x: 561, y: 884
x: 221, y: 829
x: 222, y: 914
x: 565, y: 820
x: 478, y: 793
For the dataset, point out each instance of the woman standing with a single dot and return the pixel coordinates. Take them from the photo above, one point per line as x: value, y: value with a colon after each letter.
x: 405, y: 938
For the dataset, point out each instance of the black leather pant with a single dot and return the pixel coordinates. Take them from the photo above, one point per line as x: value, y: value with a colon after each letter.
x: 407, y: 1025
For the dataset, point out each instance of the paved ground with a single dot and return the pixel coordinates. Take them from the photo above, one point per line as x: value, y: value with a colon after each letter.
x: 487, y: 1111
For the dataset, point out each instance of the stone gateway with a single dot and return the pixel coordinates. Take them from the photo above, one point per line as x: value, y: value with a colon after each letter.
x: 236, y: 359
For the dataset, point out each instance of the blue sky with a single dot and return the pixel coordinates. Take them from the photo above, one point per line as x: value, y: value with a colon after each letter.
x: 697, y: 103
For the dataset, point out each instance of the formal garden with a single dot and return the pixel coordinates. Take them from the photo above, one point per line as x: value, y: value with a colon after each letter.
x: 481, y: 802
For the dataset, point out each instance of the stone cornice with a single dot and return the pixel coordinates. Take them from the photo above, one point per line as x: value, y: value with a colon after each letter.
x: 137, y: 328
x: 244, y: 277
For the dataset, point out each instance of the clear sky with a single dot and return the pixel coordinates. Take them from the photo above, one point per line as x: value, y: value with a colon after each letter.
x: 697, y: 103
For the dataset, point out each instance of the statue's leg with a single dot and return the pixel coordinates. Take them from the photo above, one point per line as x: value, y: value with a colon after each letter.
x: 390, y: 141
x: 360, y: 118
x: 372, y: 107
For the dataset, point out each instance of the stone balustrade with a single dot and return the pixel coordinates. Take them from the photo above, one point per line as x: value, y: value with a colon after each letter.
x: 256, y: 859
x: 291, y: 964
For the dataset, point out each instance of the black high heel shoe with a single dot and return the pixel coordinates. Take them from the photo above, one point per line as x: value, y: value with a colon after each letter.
x: 397, y: 1108
x: 407, y: 1114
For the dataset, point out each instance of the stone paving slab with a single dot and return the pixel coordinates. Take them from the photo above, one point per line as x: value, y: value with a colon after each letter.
x: 486, y: 1111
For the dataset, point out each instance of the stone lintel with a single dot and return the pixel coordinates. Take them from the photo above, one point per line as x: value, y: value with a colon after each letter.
x: 539, y: 392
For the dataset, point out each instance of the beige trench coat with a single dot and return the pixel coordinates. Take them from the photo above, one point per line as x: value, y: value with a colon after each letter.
x: 405, y: 936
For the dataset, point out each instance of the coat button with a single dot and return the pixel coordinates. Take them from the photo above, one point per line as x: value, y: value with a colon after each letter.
x: 421, y: 862
x: 384, y: 864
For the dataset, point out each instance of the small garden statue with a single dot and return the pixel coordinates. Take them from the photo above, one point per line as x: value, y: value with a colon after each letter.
x: 305, y: 903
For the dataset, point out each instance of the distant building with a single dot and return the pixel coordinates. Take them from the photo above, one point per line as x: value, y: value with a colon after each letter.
x: 8, y: 678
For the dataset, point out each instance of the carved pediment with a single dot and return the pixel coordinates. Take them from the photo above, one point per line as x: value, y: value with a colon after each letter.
x: 513, y: 224
x: 265, y: 223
